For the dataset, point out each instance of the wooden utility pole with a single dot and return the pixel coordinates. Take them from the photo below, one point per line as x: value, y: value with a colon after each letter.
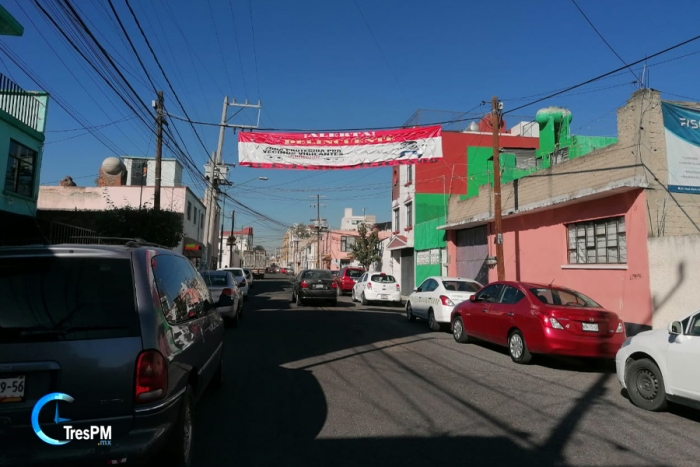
x: 496, y: 126
x: 318, y: 229
x: 230, y: 253
x: 160, y: 120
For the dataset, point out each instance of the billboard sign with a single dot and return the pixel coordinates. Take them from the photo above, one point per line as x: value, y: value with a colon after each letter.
x: 682, y: 131
x: 340, y: 150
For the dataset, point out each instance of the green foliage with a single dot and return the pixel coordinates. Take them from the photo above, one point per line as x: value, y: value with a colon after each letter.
x: 259, y: 248
x: 162, y: 227
x: 300, y: 231
x: 366, y: 248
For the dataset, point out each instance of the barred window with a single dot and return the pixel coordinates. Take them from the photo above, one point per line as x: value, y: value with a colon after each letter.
x: 346, y: 243
x: 598, y: 242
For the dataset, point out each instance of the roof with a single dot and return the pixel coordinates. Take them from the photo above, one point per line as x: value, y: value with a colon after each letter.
x: 398, y: 242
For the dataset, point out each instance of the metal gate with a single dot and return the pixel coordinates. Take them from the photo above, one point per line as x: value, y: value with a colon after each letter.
x: 472, y: 251
x: 408, y: 271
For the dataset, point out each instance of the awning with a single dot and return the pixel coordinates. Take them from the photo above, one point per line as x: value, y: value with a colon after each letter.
x: 192, y: 248
x: 398, y: 242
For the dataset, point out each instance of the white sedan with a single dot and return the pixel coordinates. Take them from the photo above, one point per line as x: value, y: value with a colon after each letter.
x: 376, y: 287
x: 437, y: 296
x: 662, y: 365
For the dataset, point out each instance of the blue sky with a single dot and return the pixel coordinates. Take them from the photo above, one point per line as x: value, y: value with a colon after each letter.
x: 319, y: 65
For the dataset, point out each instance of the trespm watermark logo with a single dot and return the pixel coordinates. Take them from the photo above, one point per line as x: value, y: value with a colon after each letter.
x: 103, y: 434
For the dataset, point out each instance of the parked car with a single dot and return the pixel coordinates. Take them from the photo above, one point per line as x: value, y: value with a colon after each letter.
x: 377, y: 287
x: 314, y: 285
x: 334, y: 274
x: 347, y: 278
x: 437, y: 296
x: 125, y: 336
x: 538, y: 319
x: 661, y: 365
x: 249, y: 277
x: 239, y: 275
x: 283, y: 270
x: 223, y: 286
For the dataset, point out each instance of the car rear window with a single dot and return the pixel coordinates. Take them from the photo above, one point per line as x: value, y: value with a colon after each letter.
x: 354, y: 273
x: 461, y: 286
x: 66, y: 298
x: 319, y: 274
x: 380, y: 278
x: 562, y: 297
x: 236, y: 272
x: 214, y: 280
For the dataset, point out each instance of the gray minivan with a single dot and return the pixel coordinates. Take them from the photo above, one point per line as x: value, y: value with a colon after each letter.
x: 103, y: 352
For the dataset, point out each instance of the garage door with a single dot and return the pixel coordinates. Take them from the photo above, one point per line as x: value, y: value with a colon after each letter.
x: 472, y: 251
x: 408, y: 271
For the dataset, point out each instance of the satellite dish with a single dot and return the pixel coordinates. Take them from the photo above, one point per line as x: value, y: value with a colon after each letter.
x: 113, y: 166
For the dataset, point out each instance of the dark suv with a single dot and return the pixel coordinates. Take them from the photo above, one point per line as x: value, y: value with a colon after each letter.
x: 346, y: 279
x: 103, y: 352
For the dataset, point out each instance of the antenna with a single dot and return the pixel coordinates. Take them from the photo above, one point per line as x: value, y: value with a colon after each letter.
x: 550, y: 284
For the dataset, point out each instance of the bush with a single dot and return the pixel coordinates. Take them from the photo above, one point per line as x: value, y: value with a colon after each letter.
x: 162, y: 227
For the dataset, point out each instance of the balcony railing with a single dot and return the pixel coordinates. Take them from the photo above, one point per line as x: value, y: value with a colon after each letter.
x: 29, y: 107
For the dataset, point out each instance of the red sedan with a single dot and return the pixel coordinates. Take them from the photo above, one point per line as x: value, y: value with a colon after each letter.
x: 538, y: 319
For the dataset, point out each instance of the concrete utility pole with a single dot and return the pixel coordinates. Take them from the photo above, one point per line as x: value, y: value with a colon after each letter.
x: 230, y: 252
x: 318, y: 229
x: 160, y: 120
x: 496, y: 126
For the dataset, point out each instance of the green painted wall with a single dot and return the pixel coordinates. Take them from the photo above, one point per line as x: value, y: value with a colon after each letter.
x: 423, y: 272
x: 426, y: 237
x: 429, y: 206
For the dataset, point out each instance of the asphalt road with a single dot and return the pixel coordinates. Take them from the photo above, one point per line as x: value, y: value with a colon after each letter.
x: 362, y: 386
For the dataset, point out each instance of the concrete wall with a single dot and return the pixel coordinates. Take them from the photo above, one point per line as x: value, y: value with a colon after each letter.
x: 673, y: 263
x: 171, y: 171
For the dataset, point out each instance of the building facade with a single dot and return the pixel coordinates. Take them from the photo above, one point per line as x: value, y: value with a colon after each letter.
x: 349, y: 221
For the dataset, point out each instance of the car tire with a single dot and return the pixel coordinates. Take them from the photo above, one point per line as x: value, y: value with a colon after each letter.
x: 299, y: 301
x: 458, y: 332
x: 517, y: 348
x: 409, y: 312
x: 645, y: 385
x: 432, y: 323
x: 178, y: 450
x: 363, y: 299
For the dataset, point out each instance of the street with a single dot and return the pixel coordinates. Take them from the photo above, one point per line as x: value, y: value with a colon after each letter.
x: 354, y: 385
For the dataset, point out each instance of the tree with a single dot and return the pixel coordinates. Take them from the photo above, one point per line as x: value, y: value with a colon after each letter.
x: 161, y: 227
x: 259, y: 248
x: 300, y: 231
x: 366, y: 247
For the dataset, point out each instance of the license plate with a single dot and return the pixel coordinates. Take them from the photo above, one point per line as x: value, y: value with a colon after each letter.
x: 384, y: 297
x: 318, y: 286
x: 12, y: 389
x: 590, y: 327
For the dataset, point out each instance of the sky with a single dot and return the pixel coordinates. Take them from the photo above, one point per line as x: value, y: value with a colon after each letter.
x: 346, y: 64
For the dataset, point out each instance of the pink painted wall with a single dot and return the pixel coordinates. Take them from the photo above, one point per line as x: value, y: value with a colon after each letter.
x: 541, y: 240
x: 332, y: 242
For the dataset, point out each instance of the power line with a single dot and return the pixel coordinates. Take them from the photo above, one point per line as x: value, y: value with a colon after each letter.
x: 603, y: 39
x: 238, y: 48
x: 255, y: 53
x: 218, y: 41
x: 575, y: 86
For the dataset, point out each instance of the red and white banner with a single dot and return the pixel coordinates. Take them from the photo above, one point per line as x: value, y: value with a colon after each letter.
x: 341, y: 149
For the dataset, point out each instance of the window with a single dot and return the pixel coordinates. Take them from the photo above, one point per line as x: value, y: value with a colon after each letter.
x: 195, y: 216
x: 346, y: 243
x: 562, y: 297
x: 218, y: 279
x: 354, y: 273
x: 19, y: 177
x: 397, y: 222
x: 201, y: 221
x: 598, y: 242
x: 317, y: 274
x: 461, y: 286
x: 139, y: 172
x: 409, y: 215
x: 492, y: 293
x: 694, y: 329
x: 383, y: 279
x: 428, y: 286
x: 409, y: 174
x: 511, y: 295
x: 189, y: 210
x: 182, y: 293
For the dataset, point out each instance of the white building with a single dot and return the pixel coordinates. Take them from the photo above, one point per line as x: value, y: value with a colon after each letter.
x: 142, y: 171
x: 350, y: 221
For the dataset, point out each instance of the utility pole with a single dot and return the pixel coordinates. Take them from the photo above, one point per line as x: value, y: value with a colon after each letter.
x: 318, y: 229
x: 160, y: 121
x: 496, y: 126
x: 233, y: 243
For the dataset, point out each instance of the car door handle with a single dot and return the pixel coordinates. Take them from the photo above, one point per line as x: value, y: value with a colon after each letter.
x: 511, y: 313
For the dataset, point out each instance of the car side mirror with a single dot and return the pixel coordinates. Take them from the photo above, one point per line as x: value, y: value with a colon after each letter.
x: 207, y: 306
x: 675, y: 328
x: 472, y: 298
x: 416, y: 289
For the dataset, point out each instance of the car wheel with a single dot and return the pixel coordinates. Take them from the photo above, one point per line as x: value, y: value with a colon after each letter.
x: 517, y: 348
x: 178, y: 451
x: 364, y: 299
x: 432, y: 324
x: 458, y: 332
x: 299, y: 301
x: 409, y: 312
x: 352, y: 295
x: 645, y: 385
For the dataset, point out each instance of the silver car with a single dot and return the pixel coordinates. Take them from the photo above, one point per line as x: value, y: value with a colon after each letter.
x: 243, y: 283
x: 224, y: 288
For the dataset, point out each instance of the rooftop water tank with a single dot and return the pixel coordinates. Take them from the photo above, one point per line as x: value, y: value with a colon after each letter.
x: 558, y: 114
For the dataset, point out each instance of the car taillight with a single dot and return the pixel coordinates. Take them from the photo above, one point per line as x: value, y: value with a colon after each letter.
x: 446, y: 301
x: 334, y: 285
x: 151, y: 377
x: 369, y: 285
x: 555, y: 324
x: 243, y: 282
x: 304, y: 285
x: 620, y: 328
x: 398, y: 287
x: 227, y: 292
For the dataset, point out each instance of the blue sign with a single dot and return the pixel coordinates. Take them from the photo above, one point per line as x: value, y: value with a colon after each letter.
x: 682, y: 131
x: 54, y: 396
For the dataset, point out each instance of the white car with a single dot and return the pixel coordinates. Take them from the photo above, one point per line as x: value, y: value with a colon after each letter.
x: 435, y: 298
x: 249, y: 277
x: 239, y: 275
x: 662, y: 365
x: 377, y: 287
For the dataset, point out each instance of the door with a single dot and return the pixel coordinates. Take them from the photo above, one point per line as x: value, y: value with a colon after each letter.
x: 480, y: 320
x: 472, y: 251
x: 683, y: 355
x: 408, y: 273
x: 360, y: 286
x: 502, y: 314
x: 422, y: 298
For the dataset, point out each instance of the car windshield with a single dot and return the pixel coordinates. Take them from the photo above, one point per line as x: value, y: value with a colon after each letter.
x: 382, y: 278
x: 563, y: 297
x: 215, y: 279
x: 236, y: 272
x: 75, y: 298
x: 317, y: 274
x: 354, y: 273
x: 461, y: 286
